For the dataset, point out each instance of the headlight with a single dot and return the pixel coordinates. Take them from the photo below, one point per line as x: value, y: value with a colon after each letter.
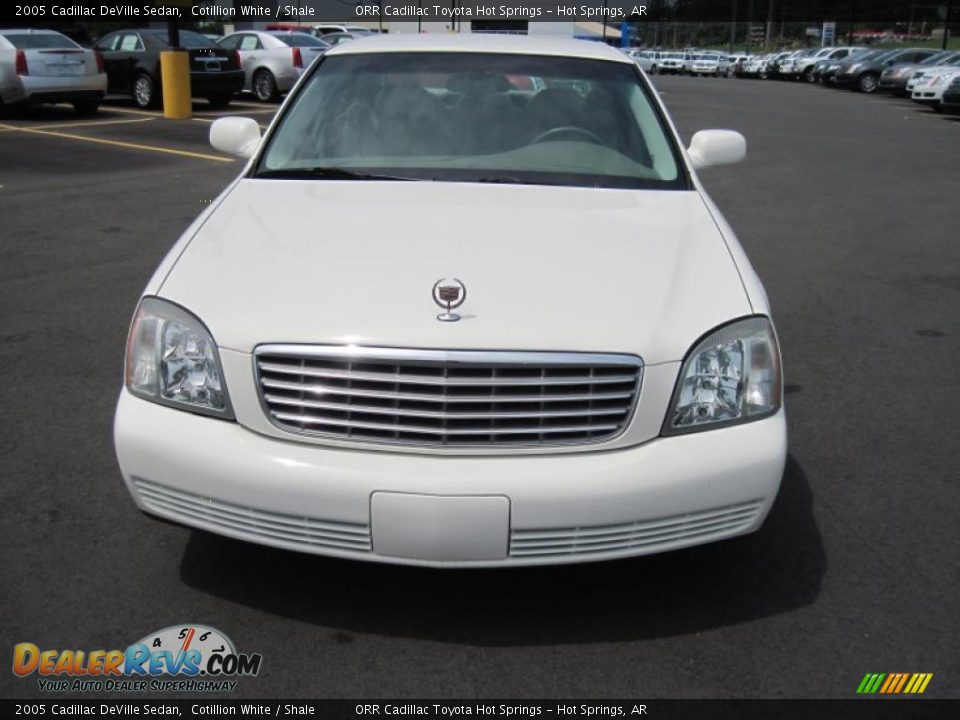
x: 172, y: 359
x: 730, y: 376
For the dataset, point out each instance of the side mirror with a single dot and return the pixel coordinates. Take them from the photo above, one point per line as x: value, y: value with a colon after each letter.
x: 716, y: 147
x: 235, y: 136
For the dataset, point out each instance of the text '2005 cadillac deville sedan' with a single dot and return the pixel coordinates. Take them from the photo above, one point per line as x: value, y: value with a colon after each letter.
x: 525, y: 335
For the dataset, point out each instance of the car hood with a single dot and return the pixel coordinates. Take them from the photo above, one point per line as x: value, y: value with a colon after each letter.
x: 546, y: 268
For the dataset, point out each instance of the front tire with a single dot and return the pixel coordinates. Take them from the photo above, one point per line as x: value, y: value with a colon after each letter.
x: 807, y: 75
x: 145, y: 93
x: 265, y: 86
x: 86, y: 107
x: 867, y: 83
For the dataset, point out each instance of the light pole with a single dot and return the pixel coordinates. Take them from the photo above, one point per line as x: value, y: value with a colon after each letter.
x: 733, y: 24
x: 946, y: 25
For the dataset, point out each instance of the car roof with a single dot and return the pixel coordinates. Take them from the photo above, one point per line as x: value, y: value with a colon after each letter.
x: 29, y: 31
x: 478, y: 43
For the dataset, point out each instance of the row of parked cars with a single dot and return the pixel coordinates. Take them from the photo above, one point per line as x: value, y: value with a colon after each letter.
x: 712, y: 63
x: 42, y: 66
x: 926, y: 75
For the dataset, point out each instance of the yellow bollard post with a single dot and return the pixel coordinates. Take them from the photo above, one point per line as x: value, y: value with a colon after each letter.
x: 175, y: 79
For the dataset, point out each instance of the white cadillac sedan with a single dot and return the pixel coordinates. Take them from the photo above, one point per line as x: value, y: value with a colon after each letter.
x: 524, y: 336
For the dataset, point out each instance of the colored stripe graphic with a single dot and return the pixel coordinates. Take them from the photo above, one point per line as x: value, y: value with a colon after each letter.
x: 903, y: 680
x: 894, y: 683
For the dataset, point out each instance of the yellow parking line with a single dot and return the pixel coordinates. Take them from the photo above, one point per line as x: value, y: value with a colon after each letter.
x: 118, y: 143
x: 91, y: 123
x: 131, y: 111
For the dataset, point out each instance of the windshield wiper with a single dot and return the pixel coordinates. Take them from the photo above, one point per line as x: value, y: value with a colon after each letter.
x: 327, y: 173
x: 508, y: 180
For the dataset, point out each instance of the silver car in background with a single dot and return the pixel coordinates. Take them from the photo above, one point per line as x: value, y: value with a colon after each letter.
x: 273, y: 60
x: 646, y: 60
x: 44, y: 66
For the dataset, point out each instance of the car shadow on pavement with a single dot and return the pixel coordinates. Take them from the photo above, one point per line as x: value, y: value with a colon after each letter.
x: 775, y: 570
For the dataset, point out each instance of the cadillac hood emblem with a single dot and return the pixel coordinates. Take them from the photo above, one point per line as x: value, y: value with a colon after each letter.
x: 449, y: 293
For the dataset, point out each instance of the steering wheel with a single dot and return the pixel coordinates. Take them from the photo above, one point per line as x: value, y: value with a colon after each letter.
x: 567, y: 130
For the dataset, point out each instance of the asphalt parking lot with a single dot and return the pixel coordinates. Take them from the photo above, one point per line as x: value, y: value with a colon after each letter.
x: 847, y: 208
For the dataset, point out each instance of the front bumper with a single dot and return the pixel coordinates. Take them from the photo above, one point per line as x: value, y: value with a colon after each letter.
x: 897, y: 86
x: 926, y: 97
x: 449, y: 511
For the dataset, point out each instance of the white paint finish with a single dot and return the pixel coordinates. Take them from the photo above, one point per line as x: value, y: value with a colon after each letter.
x: 439, y: 528
x: 663, y: 478
x: 546, y: 268
x: 480, y: 43
x: 235, y: 136
x: 716, y: 147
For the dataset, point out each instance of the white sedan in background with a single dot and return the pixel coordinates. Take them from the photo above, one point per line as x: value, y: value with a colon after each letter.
x: 44, y: 66
x: 927, y: 88
x: 273, y: 60
x: 474, y: 376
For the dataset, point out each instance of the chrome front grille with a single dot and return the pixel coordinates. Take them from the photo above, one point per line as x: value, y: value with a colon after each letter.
x: 447, y: 398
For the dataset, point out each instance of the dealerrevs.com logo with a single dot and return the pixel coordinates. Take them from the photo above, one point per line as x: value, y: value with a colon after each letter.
x: 180, y: 658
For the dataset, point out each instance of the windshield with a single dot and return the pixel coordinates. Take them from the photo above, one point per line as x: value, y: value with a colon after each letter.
x: 31, y: 41
x: 476, y: 117
x: 300, y: 40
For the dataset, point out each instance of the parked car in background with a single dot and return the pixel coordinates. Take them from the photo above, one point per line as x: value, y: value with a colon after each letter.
x: 755, y: 67
x: 44, y: 66
x: 646, y: 60
x: 863, y: 74
x: 705, y: 64
x: 328, y: 29
x: 929, y: 89
x: 132, y: 61
x: 950, y: 102
x: 335, y: 38
x: 825, y: 70
x: 773, y: 64
x: 920, y: 73
x: 735, y: 64
x: 803, y: 65
x: 673, y: 63
x: 785, y: 66
x: 894, y: 79
x: 254, y: 406
x: 273, y: 60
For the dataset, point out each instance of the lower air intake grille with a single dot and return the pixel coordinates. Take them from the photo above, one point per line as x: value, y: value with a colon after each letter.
x: 270, y: 526
x: 448, y: 398
x: 628, y: 536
